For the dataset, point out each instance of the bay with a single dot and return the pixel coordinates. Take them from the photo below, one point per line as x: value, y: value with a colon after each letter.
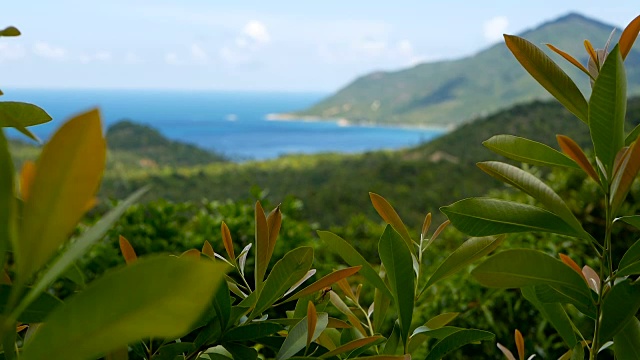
x: 232, y: 123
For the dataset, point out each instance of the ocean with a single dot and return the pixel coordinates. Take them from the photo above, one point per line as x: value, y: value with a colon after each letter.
x: 232, y: 123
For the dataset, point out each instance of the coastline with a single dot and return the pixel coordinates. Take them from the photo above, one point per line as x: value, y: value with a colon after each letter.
x: 343, y: 122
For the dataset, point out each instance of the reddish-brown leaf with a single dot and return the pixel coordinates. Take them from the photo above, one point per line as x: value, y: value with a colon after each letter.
x: 389, y: 215
x: 207, y: 249
x: 192, y: 253
x: 274, y: 221
x: 592, y: 53
x: 128, y: 253
x: 21, y: 327
x: 574, y: 151
x: 572, y: 264
x: 629, y: 36
x: 519, y: 344
x: 312, y: 320
x: 569, y: 58
x: 624, y: 177
x: 334, y: 323
x: 346, y: 289
x: 425, y: 226
x: 592, y: 278
x: 227, y: 241
x: 326, y: 281
x: 352, y: 345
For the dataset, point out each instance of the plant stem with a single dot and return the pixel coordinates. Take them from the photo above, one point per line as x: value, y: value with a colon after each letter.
x: 606, y: 272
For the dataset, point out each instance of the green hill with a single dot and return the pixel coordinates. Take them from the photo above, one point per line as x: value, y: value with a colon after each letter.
x: 150, y: 148
x: 334, y: 187
x: 134, y: 146
x: 448, y: 93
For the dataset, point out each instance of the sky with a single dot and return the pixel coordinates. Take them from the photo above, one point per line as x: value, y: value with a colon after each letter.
x: 310, y: 46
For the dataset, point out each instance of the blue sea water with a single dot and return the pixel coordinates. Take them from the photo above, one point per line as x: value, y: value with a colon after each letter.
x: 231, y: 123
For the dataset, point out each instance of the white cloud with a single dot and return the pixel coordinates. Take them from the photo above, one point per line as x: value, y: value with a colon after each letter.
x: 256, y: 31
x: 372, y: 47
x: 253, y: 37
x: 234, y: 57
x: 131, y: 58
x: 100, y: 56
x: 405, y: 47
x: 495, y: 27
x: 171, y: 58
x: 103, y: 55
x: 9, y: 52
x: 198, y: 54
x: 49, y: 51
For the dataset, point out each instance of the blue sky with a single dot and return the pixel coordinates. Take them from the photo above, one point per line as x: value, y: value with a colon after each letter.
x: 255, y: 45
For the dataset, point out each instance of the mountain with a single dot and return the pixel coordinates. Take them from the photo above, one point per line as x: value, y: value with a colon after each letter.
x: 133, y: 146
x: 152, y: 148
x: 448, y: 93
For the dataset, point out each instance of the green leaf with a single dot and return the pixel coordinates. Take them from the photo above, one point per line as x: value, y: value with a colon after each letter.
x: 630, y: 263
x: 548, y: 294
x: 485, y: 216
x: 535, y: 188
x: 457, y: 340
x: 354, y: 344
x: 396, y: 258
x: 286, y: 272
x: 297, y: 337
x: 633, y: 220
x: 251, y: 331
x: 68, y: 174
x: 351, y: 256
x: 37, y: 310
x: 10, y: 31
x: 441, y: 320
x: 241, y: 352
x: 8, y: 209
x: 77, y: 249
x: 632, y: 136
x: 222, y: 305
x: 391, y: 217
x: 381, y: 305
x: 385, y: 357
x: 74, y: 274
x: 518, y: 268
x: 262, y: 246
x: 619, y: 306
x: 470, y: 251
x: 627, y: 341
x: 19, y: 115
x: 528, y: 151
x: 169, y: 352
x: 95, y: 321
x: 607, y: 110
x: 555, y: 314
x: 577, y: 353
x: 549, y: 75
x: 391, y: 345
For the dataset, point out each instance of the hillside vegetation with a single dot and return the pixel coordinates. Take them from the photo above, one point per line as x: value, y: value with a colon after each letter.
x: 334, y: 187
x: 448, y: 93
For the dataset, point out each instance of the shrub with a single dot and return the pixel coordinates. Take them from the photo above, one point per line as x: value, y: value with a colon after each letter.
x: 609, y: 296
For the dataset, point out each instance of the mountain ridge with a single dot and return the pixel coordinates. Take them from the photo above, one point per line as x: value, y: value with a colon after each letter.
x: 448, y: 93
